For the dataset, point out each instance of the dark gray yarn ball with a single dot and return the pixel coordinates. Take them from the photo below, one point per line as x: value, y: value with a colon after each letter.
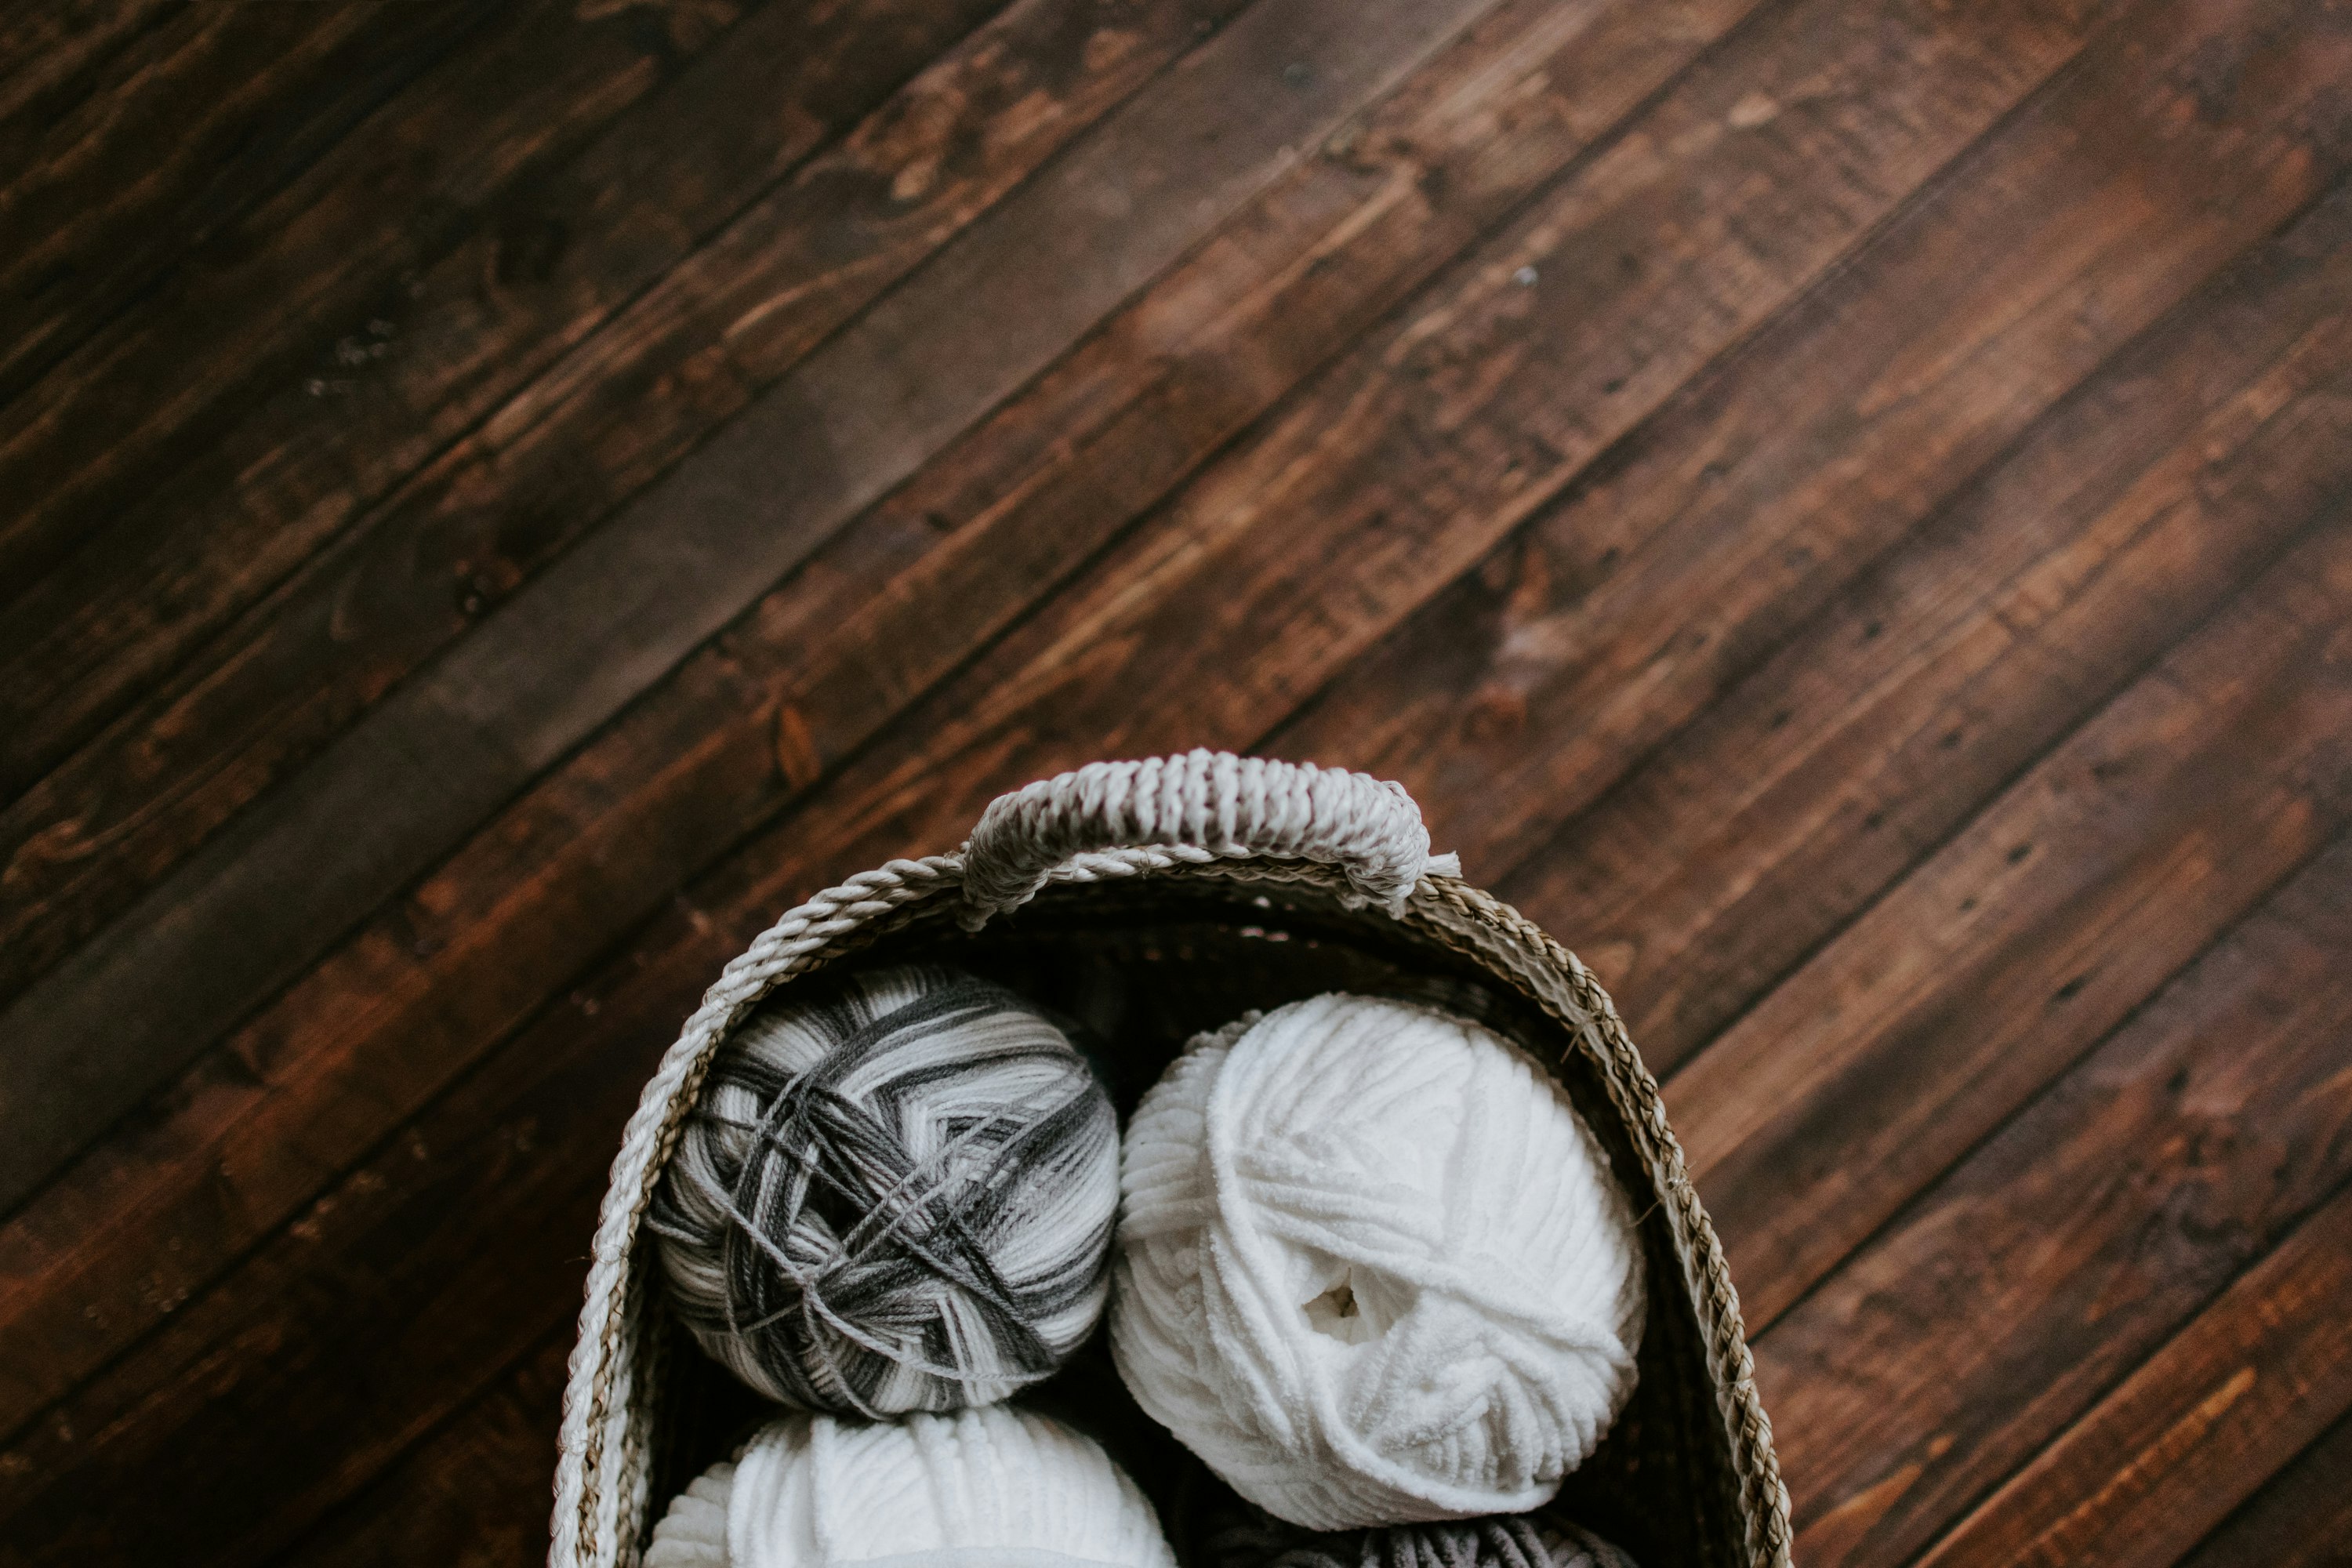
x: 1242, y: 1536
x: 894, y: 1196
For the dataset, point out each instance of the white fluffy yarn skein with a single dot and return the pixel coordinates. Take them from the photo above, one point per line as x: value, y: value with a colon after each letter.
x: 894, y: 1195
x: 693, y: 1533
x: 1372, y: 1267
x: 998, y: 1487
x: 1240, y: 1536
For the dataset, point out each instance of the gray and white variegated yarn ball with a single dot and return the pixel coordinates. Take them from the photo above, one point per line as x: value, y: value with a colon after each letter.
x: 897, y: 1194
x: 1372, y: 1266
x: 993, y: 1488
x: 1246, y: 1537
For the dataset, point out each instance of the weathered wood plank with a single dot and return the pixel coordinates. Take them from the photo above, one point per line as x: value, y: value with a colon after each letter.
x: 52, y: 56
x: 1159, y: 388
x: 1161, y: 610
x: 428, y: 286
x: 202, y: 118
x: 253, y: 1491
x: 1684, y: 558
x: 2195, y: 1430
x: 81, y: 843
x: 2015, y: 1292
x: 396, y: 381
x: 2124, y: 516
x: 235, y: 299
x: 2300, y: 1518
x: 477, y: 1494
x: 1980, y: 976
x: 816, y: 668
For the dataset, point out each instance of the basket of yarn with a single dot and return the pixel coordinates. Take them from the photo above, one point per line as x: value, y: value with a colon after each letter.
x: 1396, y: 1265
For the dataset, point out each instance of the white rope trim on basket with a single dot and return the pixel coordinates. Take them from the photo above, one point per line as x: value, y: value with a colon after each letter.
x: 597, y: 1393
x: 1197, y: 806
x: 1103, y: 822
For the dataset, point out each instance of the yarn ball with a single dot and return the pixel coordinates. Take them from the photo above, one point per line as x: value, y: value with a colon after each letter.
x: 998, y: 1487
x: 1245, y: 1537
x: 897, y: 1195
x: 693, y: 1533
x: 1372, y: 1266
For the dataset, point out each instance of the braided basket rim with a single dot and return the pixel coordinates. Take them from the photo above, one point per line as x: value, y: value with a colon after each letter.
x: 602, y: 1465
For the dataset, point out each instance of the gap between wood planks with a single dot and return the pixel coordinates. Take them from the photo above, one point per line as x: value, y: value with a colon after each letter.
x: 2300, y: 1518
x: 485, y: 1499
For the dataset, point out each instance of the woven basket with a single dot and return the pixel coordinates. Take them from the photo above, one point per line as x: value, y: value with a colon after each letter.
x: 1154, y: 900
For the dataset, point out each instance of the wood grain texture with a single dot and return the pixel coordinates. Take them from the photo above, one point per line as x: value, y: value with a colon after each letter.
x: 2016, y: 1290
x: 2195, y: 1428
x: 199, y: 121
x: 1693, y: 550
x: 473, y: 1496
x: 1841, y: 510
x: 472, y: 337
x: 2301, y: 1519
x: 138, y: 393
x: 54, y: 57
x: 2034, y: 929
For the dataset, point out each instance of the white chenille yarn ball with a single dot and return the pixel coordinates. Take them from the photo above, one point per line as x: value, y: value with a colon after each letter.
x: 895, y: 1194
x: 1372, y: 1266
x: 693, y: 1533
x: 997, y: 1487
x: 1240, y: 1536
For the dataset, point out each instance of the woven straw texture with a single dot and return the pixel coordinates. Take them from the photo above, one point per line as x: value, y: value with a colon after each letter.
x: 1168, y: 855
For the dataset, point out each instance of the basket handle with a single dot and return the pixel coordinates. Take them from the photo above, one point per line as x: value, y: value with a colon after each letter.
x: 1212, y: 803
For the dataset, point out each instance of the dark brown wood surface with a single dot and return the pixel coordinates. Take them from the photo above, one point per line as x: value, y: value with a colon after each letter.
x: 1842, y: 510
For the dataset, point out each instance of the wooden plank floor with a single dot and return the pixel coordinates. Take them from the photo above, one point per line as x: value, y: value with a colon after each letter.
x: 1842, y: 510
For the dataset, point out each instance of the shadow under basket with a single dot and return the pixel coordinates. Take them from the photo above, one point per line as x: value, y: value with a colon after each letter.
x: 1148, y: 935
